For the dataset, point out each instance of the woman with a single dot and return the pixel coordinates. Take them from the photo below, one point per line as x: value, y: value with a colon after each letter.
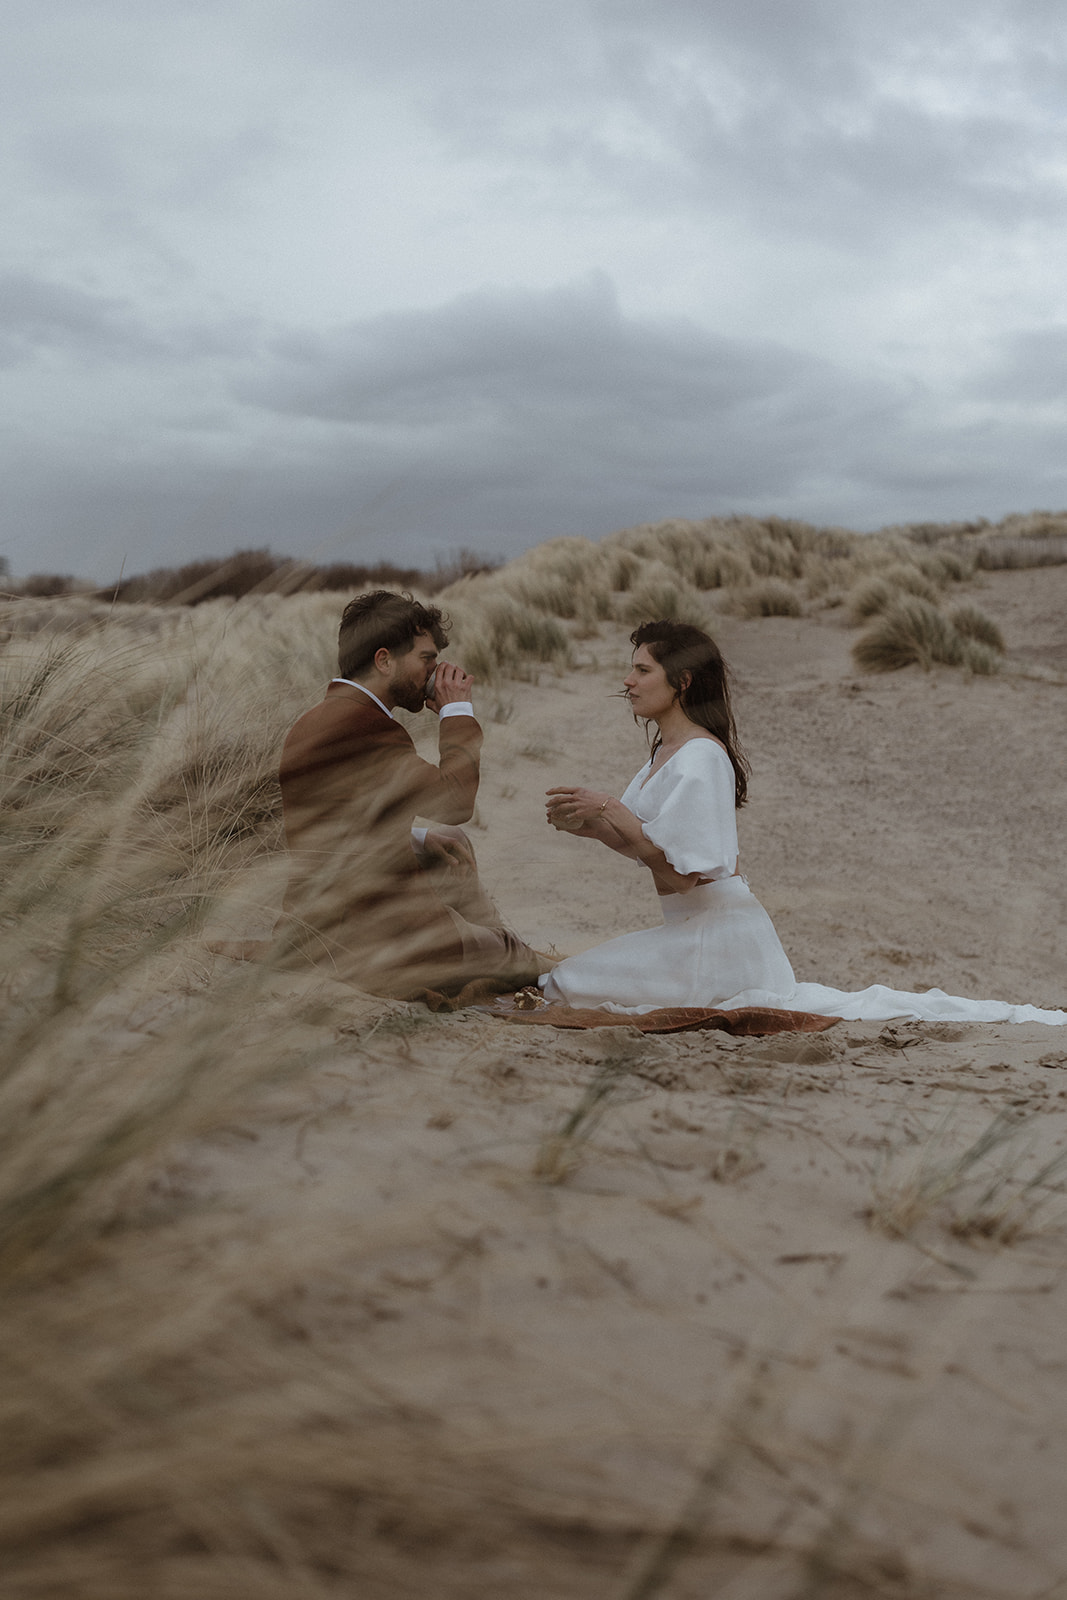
x: 717, y: 946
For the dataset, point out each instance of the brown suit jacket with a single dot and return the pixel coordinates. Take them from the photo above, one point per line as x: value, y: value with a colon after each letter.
x: 352, y: 785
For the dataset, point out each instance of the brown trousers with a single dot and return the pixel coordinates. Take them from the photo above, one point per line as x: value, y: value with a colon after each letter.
x: 435, y: 928
x: 489, y: 949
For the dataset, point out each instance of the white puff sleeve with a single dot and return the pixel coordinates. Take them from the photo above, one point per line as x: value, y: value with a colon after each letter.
x: 686, y: 809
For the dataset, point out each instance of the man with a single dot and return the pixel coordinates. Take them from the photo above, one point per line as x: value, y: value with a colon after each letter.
x: 392, y: 907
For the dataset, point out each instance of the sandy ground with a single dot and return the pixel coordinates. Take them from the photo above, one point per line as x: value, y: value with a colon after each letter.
x: 903, y: 829
x: 766, y: 1293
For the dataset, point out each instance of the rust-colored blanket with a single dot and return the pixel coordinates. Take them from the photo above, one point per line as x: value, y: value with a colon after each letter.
x: 746, y: 1020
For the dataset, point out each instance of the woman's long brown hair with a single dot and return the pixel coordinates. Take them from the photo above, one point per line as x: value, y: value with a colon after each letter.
x: 694, y: 667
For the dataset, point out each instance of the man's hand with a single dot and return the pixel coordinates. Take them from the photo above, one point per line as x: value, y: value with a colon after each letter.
x: 450, y: 684
x: 448, y: 847
x: 575, y: 810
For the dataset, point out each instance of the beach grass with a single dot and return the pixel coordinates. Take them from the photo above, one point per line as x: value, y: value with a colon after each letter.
x: 311, y: 1294
x: 913, y: 632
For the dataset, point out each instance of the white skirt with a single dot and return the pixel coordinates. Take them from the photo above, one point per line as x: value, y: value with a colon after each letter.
x: 717, y: 947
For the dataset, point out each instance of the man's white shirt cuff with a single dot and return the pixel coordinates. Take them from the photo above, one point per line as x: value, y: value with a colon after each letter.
x: 457, y: 708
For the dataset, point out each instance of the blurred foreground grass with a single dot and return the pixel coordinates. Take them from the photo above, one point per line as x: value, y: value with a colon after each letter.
x: 163, y: 1429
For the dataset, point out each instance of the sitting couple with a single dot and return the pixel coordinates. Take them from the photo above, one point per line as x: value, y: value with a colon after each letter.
x: 398, y: 909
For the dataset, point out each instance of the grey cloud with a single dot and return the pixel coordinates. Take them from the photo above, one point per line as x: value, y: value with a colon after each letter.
x: 564, y: 382
x: 38, y: 316
x: 506, y: 418
x: 123, y: 118
x: 499, y: 420
x: 495, y: 352
x: 1028, y: 368
x: 803, y: 118
x: 193, y: 171
x: 807, y: 117
x: 181, y: 397
x: 473, y: 42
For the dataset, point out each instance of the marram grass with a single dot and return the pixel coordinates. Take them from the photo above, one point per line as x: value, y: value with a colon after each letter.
x: 172, y: 1420
x: 158, y: 1434
x: 770, y: 597
x: 877, y: 594
x: 911, y: 631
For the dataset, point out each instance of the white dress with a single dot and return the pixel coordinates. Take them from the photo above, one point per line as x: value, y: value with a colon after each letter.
x: 717, y: 946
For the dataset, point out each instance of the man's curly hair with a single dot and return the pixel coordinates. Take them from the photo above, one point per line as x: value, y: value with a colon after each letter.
x: 382, y: 620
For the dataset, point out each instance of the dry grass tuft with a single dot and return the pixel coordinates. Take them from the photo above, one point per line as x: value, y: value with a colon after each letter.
x: 957, y: 564
x: 659, y: 594
x: 162, y: 1428
x: 564, y: 578
x: 974, y: 624
x: 256, y: 572
x: 987, y: 1189
x: 911, y: 632
x: 875, y: 595
x: 499, y: 636
x: 560, y: 1151
x: 771, y: 598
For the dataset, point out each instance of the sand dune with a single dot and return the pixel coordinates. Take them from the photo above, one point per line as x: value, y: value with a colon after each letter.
x: 903, y: 829
x: 462, y: 1309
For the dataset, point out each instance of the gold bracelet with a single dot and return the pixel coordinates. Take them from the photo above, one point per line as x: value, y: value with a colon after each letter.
x: 606, y: 803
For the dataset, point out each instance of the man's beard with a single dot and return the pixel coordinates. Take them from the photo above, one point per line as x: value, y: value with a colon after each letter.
x: 410, y: 696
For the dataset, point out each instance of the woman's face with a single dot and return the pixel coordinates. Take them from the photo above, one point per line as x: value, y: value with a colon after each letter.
x: 647, y: 689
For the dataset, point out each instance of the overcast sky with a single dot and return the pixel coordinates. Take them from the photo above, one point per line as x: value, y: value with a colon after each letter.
x: 384, y: 278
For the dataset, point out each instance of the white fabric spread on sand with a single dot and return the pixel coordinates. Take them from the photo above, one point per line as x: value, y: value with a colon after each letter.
x: 717, y: 946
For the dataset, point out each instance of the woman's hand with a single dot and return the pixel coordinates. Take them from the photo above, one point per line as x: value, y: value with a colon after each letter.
x: 576, y: 810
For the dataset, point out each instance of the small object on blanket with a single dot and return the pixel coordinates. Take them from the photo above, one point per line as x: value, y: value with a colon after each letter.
x: 528, y: 999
